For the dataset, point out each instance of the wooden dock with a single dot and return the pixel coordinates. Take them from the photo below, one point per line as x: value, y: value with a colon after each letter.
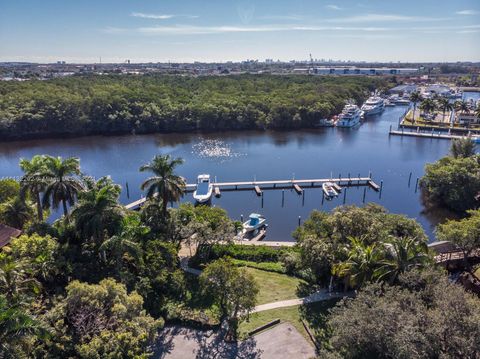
x: 259, y: 186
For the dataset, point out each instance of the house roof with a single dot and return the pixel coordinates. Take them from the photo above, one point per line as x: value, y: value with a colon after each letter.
x: 7, y: 234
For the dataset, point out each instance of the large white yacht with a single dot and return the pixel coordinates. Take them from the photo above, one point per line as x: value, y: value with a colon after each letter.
x: 350, y: 116
x: 373, y: 106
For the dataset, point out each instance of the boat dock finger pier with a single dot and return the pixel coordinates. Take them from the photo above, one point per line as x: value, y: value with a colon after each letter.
x: 296, y: 184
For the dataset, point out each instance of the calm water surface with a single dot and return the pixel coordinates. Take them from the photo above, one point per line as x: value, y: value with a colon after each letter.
x: 234, y: 156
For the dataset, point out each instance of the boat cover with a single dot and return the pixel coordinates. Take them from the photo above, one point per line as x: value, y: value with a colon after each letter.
x: 202, y: 188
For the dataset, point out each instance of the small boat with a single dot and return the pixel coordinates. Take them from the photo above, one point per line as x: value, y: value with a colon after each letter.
x: 325, y: 122
x: 203, y: 192
x: 329, y: 190
x: 402, y: 101
x: 476, y: 139
x: 255, y: 222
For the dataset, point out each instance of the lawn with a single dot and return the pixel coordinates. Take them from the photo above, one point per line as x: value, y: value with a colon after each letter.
x: 274, y: 286
x: 314, y: 315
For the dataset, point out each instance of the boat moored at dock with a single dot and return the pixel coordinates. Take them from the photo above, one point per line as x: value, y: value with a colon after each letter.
x: 329, y: 190
x: 204, y: 189
x: 254, y: 223
x: 350, y: 116
x: 373, y: 106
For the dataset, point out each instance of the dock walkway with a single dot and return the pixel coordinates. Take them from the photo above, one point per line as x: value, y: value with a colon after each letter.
x: 259, y: 186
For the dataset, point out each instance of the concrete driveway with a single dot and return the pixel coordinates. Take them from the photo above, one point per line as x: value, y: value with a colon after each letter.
x: 282, y: 341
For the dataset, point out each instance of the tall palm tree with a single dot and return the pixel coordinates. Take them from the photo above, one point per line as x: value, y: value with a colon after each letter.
x: 461, y: 106
x: 428, y: 105
x: 444, y: 105
x: 97, y: 212
x: 32, y: 182
x: 362, y: 264
x: 62, y: 184
x: 16, y: 327
x: 168, y: 185
x: 404, y: 254
x: 415, y: 98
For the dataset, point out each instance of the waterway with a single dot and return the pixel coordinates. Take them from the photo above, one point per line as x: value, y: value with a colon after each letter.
x: 248, y: 155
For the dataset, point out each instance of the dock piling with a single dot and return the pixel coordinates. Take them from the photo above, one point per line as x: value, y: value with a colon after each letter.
x: 283, y: 197
x: 364, y: 194
x: 128, y: 190
x: 345, y: 195
x: 409, y: 179
x: 416, y: 185
x: 381, y: 189
x: 303, y: 198
x: 299, y: 220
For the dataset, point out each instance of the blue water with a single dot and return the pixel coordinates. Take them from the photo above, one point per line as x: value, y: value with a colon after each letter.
x: 249, y: 155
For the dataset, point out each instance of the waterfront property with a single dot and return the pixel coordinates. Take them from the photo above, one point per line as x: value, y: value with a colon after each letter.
x: 259, y: 186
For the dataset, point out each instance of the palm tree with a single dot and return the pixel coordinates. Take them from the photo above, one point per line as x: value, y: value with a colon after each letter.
x: 445, y: 105
x: 15, y: 281
x: 16, y: 327
x: 362, y: 264
x: 32, y: 182
x: 415, y: 98
x: 16, y: 212
x: 428, y: 105
x: 168, y: 185
x: 127, y: 242
x: 461, y: 106
x: 404, y: 254
x: 98, y: 212
x: 62, y: 186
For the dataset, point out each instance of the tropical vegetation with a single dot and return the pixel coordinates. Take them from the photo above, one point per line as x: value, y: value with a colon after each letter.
x: 114, y: 104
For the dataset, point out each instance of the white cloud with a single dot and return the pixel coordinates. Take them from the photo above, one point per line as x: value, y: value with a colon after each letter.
x: 333, y: 7
x: 292, y: 17
x: 384, y: 18
x: 200, y: 30
x: 159, y: 16
x: 467, y: 12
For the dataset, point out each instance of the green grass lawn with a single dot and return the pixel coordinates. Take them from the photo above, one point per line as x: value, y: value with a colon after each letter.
x: 314, y: 315
x: 272, y: 287
x: 275, y: 286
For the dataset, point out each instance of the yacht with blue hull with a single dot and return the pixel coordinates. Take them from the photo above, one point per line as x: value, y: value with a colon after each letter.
x: 373, y: 106
x: 350, y: 116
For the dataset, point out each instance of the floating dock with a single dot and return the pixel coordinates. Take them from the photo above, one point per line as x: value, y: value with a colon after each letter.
x: 444, y: 136
x: 259, y: 186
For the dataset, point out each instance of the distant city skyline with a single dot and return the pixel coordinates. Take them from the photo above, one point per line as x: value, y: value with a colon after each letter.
x: 221, y: 31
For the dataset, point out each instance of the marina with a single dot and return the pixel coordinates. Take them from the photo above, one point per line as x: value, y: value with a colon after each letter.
x: 259, y: 186
x: 252, y: 156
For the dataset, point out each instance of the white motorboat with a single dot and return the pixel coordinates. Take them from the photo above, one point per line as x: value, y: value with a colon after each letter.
x: 350, y: 116
x: 402, y: 101
x: 373, y: 106
x: 255, y: 222
x: 204, y: 190
x: 325, y: 122
x: 329, y: 190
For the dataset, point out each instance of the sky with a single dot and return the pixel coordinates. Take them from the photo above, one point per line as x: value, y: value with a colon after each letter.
x: 233, y: 30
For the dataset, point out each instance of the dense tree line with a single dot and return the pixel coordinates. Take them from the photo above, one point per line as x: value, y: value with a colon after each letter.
x: 453, y: 182
x: 124, y: 104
